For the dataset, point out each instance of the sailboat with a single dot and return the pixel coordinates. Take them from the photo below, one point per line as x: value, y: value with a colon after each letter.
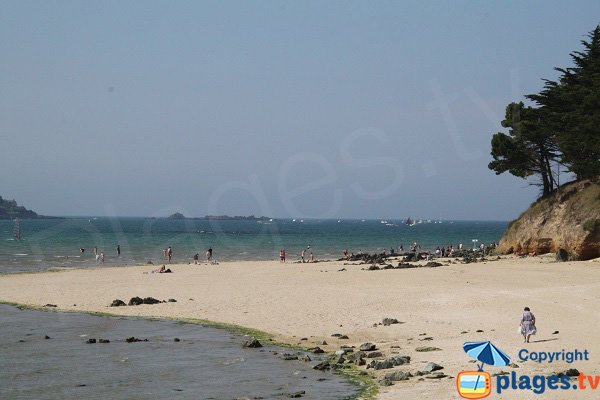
x: 17, y: 229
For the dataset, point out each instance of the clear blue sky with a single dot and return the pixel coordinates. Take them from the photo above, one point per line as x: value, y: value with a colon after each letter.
x: 284, y: 108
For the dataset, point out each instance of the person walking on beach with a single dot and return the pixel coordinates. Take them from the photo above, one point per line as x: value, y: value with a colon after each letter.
x: 102, y: 258
x: 118, y: 250
x: 196, y: 256
x: 209, y: 254
x: 282, y: 256
x: 302, y: 255
x: 527, y: 324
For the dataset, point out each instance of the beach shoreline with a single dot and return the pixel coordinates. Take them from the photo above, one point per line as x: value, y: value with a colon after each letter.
x: 437, y: 307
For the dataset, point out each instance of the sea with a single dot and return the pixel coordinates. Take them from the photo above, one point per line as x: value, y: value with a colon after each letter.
x: 45, y: 356
x: 58, y: 243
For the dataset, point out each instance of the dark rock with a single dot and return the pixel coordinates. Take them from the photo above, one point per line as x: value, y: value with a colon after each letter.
x: 513, y: 365
x: 336, y: 335
x: 398, y: 376
x: 151, y: 300
x: 90, y: 341
x: 389, y: 363
x: 500, y: 373
x: 136, y: 301
x: 252, y: 343
x: 572, y: 372
x: 172, y: 301
x: 305, y: 358
x: 426, y: 349
x: 303, y: 338
x: 375, y: 354
x: 50, y: 305
x: 46, y: 337
x: 316, y: 350
x: 385, y: 382
x: 133, y: 339
x: 296, y: 394
x: 433, y: 264
x: 117, y: 303
x: 390, y: 321
x: 340, y: 360
x: 373, y: 268
x: 359, y: 361
x: 177, y: 339
x: 323, y: 366
x: 103, y: 341
x: 323, y: 343
x: 389, y: 266
x: 430, y: 367
x: 479, y: 331
x: 562, y: 255
x: 289, y: 357
x: 367, y: 347
x: 555, y: 333
x: 344, y: 337
x: 426, y: 339
x: 436, y: 375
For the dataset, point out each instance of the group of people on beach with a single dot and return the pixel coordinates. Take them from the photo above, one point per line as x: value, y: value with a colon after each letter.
x: 100, y: 256
x: 209, y: 257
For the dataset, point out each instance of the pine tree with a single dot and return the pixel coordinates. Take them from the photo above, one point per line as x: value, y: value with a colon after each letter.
x: 572, y: 109
x: 528, y: 149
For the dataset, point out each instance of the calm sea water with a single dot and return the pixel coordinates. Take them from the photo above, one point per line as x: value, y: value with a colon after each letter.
x: 206, y: 363
x: 55, y: 243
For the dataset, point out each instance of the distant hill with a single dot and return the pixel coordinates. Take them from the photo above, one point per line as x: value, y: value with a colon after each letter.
x: 9, y: 209
x: 220, y: 217
x: 568, y: 219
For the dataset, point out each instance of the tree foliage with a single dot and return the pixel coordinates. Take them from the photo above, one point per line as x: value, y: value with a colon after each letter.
x: 563, y: 129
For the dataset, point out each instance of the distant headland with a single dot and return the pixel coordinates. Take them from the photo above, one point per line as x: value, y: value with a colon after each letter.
x: 220, y: 217
x: 9, y: 209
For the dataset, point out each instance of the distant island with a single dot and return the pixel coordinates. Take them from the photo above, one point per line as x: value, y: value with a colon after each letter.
x: 220, y: 217
x: 9, y: 209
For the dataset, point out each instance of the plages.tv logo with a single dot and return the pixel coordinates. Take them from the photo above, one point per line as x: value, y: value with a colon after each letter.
x: 478, y: 384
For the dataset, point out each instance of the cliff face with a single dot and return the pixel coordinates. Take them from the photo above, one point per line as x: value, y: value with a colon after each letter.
x: 568, y: 219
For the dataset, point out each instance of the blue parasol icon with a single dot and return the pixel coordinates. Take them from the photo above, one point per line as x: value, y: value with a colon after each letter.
x: 487, y: 353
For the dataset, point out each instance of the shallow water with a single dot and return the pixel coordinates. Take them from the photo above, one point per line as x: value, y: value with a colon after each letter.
x: 55, y: 243
x: 207, y: 363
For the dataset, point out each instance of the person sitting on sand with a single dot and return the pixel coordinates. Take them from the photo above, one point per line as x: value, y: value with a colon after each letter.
x: 162, y: 270
x: 527, y: 324
x: 159, y: 270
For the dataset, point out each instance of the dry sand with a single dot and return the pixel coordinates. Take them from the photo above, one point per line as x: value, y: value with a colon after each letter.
x: 316, y: 300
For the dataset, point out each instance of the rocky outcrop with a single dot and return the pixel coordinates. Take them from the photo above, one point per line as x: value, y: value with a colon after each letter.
x: 567, y: 219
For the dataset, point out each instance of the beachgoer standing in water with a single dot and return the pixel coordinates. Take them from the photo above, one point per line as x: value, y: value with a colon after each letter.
x: 169, y: 253
x: 302, y: 255
x: 528, y: 324
x: 102, y: 258
x: 95, y: 250
x: 196, y: 256
x: 118, y: 250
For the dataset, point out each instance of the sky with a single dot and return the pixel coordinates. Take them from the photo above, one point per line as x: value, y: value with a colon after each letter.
x: 336, y: 109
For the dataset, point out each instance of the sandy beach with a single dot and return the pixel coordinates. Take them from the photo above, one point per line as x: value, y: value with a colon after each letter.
x: 439, y: 307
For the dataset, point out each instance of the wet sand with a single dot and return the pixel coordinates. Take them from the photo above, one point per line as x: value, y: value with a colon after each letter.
x: 317, y: 300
